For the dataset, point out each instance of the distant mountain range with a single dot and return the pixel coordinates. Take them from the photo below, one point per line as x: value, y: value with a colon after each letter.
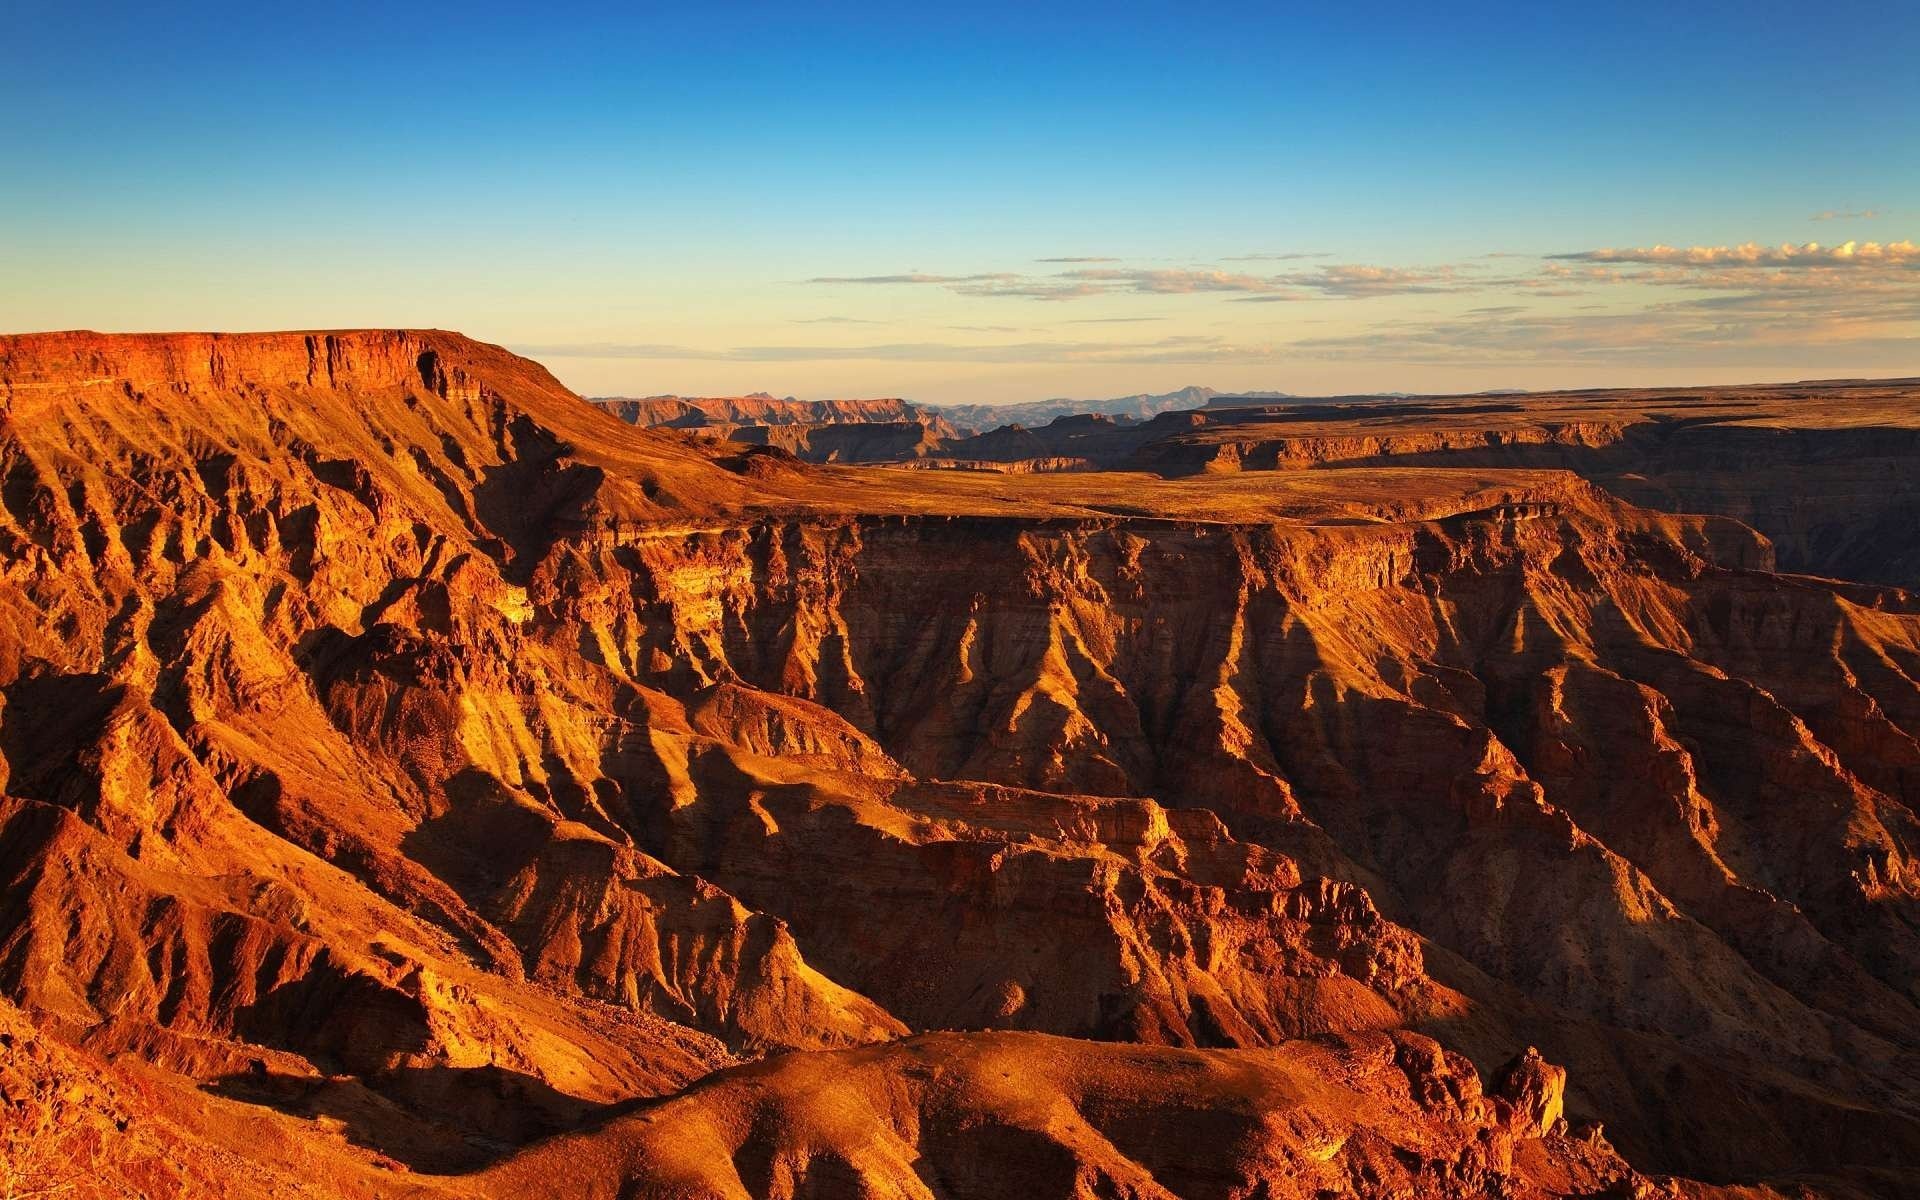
x: 764, y: 408
x: 983, y: 417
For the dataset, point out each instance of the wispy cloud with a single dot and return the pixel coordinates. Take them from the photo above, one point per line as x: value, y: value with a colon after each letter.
x: 1173, y: 281
x: 1875, y: 323
x: 910, y: 277
x: 1864, y: 214
x: 1662, y: 303
x: 1343, y: 281
x: 1357, y: 280
x: 1741, y: 315
x: 1029, y: 288
x: 835, y: 321
x: 1753, y: 254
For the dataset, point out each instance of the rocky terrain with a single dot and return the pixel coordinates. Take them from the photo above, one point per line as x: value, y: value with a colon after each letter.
x: 761, y: 408
x: 816, y: 430
x: 415, y: 780
x: 969, y: 436
x: 1824, y: 470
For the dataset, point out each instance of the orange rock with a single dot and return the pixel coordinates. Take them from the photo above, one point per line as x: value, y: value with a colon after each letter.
x: 404, y: 761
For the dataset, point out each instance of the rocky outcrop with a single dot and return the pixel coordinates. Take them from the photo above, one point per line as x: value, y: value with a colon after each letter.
x: 1244, y: 440
x: 863, y: 442
x: 1824, y: 471
x: 818, y: 431
x: 690, y: 412
x: 1086, y: 438
x: 1015, y: 466
x: 1112, y: 919
x: 1536, y: 1091
x: 1009, y: 1114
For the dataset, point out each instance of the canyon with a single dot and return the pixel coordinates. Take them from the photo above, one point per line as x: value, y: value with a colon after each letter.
x: 416, y: 780
x: 815, y: 430
x: 897, y: 431
x: 1847, y: 447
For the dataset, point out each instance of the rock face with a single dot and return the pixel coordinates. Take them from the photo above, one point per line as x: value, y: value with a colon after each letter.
x: 816, y: 430
x: 964, y: 436
x: 704, y: 412
x: 1025, y: 1115
x: 1824, y: 470
x: 1536, y: 1089
x: 403, y: 762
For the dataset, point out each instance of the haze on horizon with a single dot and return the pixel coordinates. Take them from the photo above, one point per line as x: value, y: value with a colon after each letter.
x: 1003, y: 203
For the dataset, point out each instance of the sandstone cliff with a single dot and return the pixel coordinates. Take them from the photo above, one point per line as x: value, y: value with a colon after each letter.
x: 814, y: 430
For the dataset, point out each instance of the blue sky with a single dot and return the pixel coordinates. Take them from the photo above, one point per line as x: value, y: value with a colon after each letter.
x: 856, y: 200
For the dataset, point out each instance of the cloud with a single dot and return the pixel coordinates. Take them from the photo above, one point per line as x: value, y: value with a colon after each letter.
x: 1736, y: 267
x: 1357, y: 280
x: 908, y: 278
x: 1865, y: 214
x: 1831, y: 315
x: 1875, y: 325
x: 1753, y: 254
x: 835, y: 321
x: 1763, y: 297
x: 1054, y: 288
x: 1694, y: 304
x: 1273, y: 257
x: 1173, y: 281
x: 1342, y: 281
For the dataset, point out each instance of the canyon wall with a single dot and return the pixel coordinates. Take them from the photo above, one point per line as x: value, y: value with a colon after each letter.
x: 815, y: 430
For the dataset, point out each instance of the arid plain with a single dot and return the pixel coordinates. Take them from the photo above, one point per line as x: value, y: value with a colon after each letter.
x: 419, y: 781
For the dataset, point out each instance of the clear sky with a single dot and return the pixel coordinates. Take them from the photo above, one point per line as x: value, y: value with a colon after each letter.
x: 984, y: 201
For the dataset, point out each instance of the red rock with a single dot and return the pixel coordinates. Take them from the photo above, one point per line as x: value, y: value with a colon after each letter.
x: 420, y: 761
